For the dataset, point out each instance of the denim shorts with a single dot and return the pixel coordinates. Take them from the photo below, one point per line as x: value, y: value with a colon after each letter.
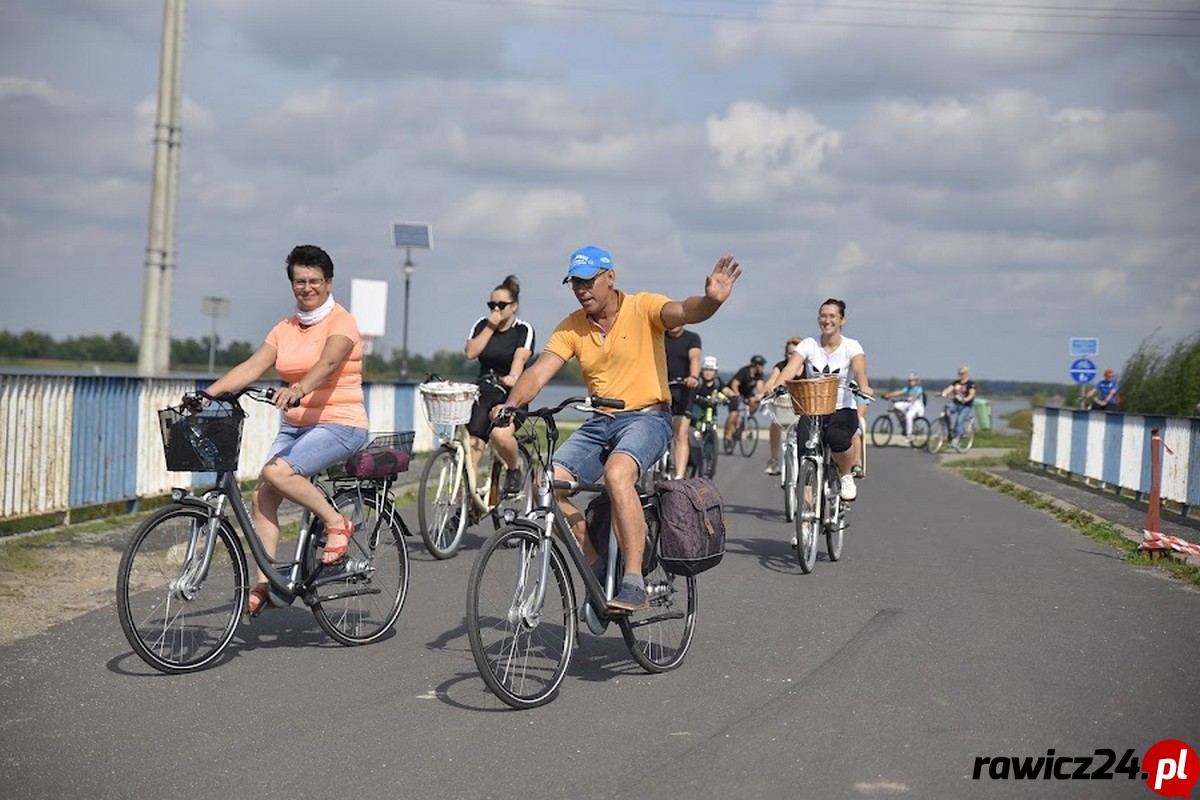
x: 641, y: 435
x: 312, y: 448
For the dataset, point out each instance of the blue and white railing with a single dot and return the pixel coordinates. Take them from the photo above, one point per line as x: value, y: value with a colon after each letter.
x: 1114, y: 449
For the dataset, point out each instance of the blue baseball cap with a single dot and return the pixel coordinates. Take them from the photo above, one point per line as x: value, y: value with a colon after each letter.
x: 588, y: 262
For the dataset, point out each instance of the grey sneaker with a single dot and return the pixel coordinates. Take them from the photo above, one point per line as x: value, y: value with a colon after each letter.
x: 631, y: 598
x: 772, y: 466
x: 513, y: 485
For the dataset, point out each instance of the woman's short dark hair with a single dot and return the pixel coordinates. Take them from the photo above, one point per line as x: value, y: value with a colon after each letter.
x: 831, y: 302
x: 512, y: 286
x: 309, y: 255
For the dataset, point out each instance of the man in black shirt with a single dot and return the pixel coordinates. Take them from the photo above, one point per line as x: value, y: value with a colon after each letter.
x: 745, y: 386
x: 683, y: 363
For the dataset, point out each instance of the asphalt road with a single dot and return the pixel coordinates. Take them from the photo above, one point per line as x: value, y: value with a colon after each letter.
x: 960, y: 624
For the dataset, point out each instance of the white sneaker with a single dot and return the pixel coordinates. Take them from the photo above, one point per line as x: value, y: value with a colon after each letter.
x: 849, y: 490
x: 772, y: 466
x: 795, y: 541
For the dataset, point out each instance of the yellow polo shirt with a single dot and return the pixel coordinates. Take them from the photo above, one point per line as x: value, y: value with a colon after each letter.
x: 630, y: 362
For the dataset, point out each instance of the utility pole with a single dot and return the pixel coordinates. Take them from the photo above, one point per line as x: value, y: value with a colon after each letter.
x: 154, y: 354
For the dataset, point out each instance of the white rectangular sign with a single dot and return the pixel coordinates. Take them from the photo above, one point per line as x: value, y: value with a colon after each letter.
x: 368, y: 304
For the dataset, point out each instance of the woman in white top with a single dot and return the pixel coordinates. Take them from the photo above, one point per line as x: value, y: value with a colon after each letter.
x: 839, y: 355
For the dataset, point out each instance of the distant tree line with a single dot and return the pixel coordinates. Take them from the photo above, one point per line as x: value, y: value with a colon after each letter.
x: 187, y: 354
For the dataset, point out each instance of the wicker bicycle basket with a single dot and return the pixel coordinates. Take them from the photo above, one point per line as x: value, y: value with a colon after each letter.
x: 448, y: 403
x: 780, y: 409
x: 207, y: 441
x: 814, y: 397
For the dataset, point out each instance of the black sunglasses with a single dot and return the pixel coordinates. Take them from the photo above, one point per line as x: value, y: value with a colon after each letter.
x: 499, y: 305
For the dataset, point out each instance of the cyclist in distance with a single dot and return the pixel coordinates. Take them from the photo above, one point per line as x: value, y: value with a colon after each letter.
x: 962, y: 398
x: 710, y: 384
x: 1105, y: 395
x: 618, y: 339
x: 776, y: 432
x: 503, y: 344
x: 318, y: 352
x: 683, y: 363
x: 913, y: 404
x: 832, y: 354
x: 744, y: 387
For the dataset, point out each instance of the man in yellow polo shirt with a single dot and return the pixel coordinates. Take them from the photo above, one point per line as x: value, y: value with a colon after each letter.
x: 618, y: 339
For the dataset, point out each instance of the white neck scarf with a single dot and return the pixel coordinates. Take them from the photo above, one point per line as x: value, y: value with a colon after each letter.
x: 319, y: 313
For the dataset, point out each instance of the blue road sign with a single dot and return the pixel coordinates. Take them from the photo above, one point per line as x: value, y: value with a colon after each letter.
x: 1083, y: 370
x: 1088, y: 346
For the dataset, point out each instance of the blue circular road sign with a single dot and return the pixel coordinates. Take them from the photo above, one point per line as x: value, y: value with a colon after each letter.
x: 1083, y: 370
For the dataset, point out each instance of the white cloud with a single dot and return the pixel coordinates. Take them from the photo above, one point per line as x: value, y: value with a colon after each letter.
x: 491, y: 214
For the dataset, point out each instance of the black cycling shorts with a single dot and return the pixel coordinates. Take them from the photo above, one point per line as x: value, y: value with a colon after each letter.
x: 840, y: 427
x: 681, y: 400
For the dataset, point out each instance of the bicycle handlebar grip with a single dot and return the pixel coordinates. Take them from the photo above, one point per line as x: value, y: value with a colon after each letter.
x: 607, y: 402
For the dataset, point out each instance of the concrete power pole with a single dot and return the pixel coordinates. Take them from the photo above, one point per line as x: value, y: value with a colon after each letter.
x: 154, y: 355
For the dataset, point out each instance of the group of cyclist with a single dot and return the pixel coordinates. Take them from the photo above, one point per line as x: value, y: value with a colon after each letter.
x: 634, y: 347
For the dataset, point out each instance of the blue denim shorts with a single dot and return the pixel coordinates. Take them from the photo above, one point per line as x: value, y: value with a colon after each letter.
x: 312, y: 448
x: 642, y: 435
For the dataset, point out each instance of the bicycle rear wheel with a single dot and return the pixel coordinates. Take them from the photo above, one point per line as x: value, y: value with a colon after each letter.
x: 808, y: 514
x: 521, y: 651
x: 659, y: 637
x: 749, y: 438
x: 881, y: 431
x: 835, y: 513
x: 939, y: 435
x: 511, y: 506
x: 358, y: 601
x: 175, y: 619
x: 442, y: 502
x: 920, y: 432
x: 967, y: 439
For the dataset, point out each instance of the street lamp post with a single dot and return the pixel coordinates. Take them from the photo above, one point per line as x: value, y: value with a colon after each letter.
x: 410, y: 235
x: 408, y: 271
x: 215, y: 307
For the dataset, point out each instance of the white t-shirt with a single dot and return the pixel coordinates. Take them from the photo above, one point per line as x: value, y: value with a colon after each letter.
x: 819, y: 362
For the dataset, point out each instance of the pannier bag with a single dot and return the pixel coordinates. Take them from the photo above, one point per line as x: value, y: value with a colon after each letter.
x: 599, y: 520
x: 692, y: 538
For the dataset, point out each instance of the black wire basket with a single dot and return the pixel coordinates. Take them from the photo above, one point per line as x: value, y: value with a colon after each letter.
x: 205, y: 441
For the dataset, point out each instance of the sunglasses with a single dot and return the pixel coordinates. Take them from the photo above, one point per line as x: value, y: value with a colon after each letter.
x: 499, y: 305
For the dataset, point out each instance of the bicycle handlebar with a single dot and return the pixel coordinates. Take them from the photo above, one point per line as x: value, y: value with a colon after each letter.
x: 588, y: 403
x: 194, y: 401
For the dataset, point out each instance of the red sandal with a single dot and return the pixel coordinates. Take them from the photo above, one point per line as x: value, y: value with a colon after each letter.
x: 259, y: 599
x: 333, y: 553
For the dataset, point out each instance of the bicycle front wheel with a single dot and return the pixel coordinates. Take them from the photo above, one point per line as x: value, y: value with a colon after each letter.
x: 520, y: 647
x: 177, y: 616
x: 708, y: 454
x: 920, y: 432
x: 512, y: 506
x: 659, y: 637
x: 442, y: 502
x: 939, y: 434
x: 749, y: 439
x: 881, y: 431
x: 808, y: 514
x: 358, y: 601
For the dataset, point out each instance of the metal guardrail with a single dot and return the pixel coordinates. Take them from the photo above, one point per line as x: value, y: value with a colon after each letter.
x: 68, y: 442
x: 1115, y: 449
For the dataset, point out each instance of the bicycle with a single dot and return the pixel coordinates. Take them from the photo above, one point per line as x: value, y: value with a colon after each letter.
x: 884, y: 426
x: 182, y: 583
x: 941, y: 432
x: 819, y: 504
x: 450, y: 495
x: 780, y: 409
x: 703, y: 441
x: 522, y: 612
x: 745, y: 432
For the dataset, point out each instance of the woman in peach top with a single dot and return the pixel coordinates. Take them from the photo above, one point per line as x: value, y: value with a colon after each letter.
x: 318, y: 352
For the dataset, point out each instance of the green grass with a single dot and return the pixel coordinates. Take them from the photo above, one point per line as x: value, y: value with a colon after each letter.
x: 1094, y: 528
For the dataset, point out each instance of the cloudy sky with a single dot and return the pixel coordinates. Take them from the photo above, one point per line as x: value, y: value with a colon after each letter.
x: 978, y: 181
